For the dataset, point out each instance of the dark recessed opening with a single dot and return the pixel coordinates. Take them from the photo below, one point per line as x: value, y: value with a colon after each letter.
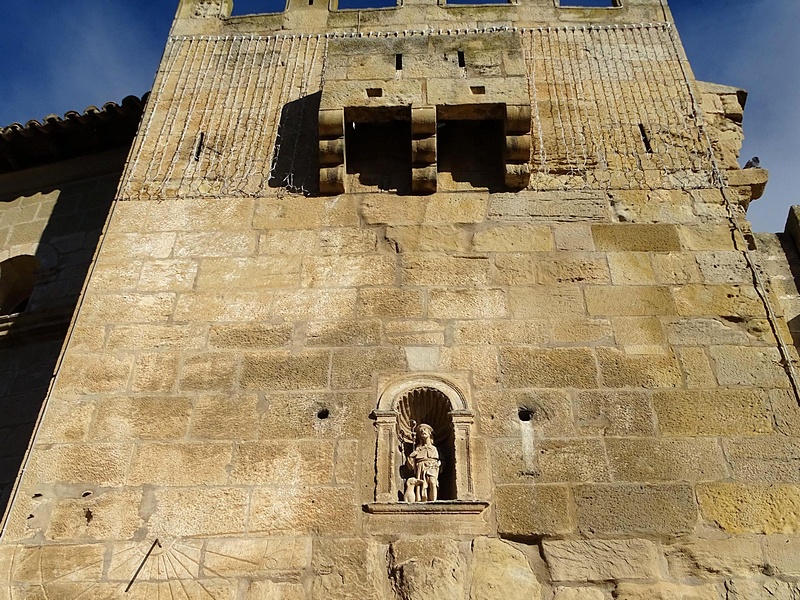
x: 86, y: 494
x: 378, y: 148
x: 374, y: 92
x: 252, y: 7
x: 645, y: 139
x: 471, y: 151
x: 590, y: 3
x: 398, y: 62
x: 525, y: 414
x: 477, y: 89
x: 323, y: 414
x: 311, y: 2
x: 17, y: 278
x: 461, y: 61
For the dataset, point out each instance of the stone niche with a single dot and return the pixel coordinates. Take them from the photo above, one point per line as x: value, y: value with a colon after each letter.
x: 402, y: 408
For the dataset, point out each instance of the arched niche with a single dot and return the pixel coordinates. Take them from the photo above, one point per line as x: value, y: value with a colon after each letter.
x: 17, y: 278
x: 406, y: 404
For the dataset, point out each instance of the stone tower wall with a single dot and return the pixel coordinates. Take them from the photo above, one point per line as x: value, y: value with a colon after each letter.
x: 600, y: 346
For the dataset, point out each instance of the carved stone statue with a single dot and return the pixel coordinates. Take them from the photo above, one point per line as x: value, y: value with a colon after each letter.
x: 424, y: 463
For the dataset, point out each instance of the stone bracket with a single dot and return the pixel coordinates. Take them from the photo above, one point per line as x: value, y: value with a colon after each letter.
x: 517, y: 157
x: 423, y: 149
x: 331, y: 151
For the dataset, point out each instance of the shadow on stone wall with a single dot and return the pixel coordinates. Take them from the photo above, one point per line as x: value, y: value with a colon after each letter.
x: 295, y: 162
x: 31, y: 341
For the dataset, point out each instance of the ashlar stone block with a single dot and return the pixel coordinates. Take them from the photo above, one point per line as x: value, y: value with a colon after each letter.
x: 717, y: 412
x: 601, y: 560
x: 635, y: 509
x: 751, y: 508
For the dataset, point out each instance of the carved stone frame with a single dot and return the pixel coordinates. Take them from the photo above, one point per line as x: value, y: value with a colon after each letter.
x: 386, y: 456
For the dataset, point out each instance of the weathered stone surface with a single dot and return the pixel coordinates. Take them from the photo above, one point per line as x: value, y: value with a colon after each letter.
x: 665, y: 591
x: 349, y: 568
x: 428, y: 269
x: 761, y: 589
x: 614, y: 413
x: 550, y: 412
x: 108, y: 515
x: 548, y: 368
x: 180, y: 464
x: 468, y: 304
x: 43, y: 564
x: 287, y: 463
x: 389, y: 302
x: 629, y: 301
x: 635, y: 509
x: 631, y: 268
x: 601, y: 560
x: 298, y: 415
x: 665, y: 459
x: 578, y: 593
x: 267, y: 590
x: 513, y: 238
x: 427, y: 567
x: 225, y: 417
x: 552, y: 461
x: 764, y: 459
x: 500, y: 571
x: 783, y: 553
x: 303, y: 510
x: 718, y: 300
x: 696, y: 368
x: 501, y: 332
x: 573, y: 269
x: 648, y: 371
x: 282, y: 370
x: 710, y: 558
x: 281, y: 557
x: 639, y: 335
x: 636, y: 238
x: 524, y: 510
x: 748, y: 366
x: 126, y: 418
x: 717, y: 412
x: 199, y: 511
x: 353, y: 368
x: 546, y: 301
x: 751, y: 508
x: 428, y: 238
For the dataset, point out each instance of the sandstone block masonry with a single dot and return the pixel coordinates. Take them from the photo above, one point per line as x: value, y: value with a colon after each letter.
x: 602, y: 363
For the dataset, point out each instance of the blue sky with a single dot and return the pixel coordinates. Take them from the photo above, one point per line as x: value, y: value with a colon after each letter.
x: 57, y: 56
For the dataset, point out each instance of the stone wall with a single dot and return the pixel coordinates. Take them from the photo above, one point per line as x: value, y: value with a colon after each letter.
x: 624, y: 423
x: 54, y: 216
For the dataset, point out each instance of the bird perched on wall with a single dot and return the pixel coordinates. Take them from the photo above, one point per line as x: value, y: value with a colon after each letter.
x: 753, y: 163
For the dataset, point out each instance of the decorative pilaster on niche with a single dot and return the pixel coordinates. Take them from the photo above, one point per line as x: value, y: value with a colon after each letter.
x: 423, y: 458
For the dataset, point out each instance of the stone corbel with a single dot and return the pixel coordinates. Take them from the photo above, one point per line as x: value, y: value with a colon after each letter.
x: 423, y: 149
x: 331, y: 151
x: 748, y: 184
x: 518, y: 146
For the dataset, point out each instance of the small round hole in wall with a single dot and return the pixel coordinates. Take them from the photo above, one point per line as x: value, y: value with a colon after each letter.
x: 323, y: 413
x: 86, y: 494
x: 525, y: 414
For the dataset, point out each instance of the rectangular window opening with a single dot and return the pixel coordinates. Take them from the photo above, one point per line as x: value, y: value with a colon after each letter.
x: 378, y: 149
x: 461, y: 62
x: 589, y: 3
x: 477, y: 89
x: 255, y: 7
x: 398, y: 62
x: 374, y: 93
x: 365, y: 4
x: 470, y: 152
